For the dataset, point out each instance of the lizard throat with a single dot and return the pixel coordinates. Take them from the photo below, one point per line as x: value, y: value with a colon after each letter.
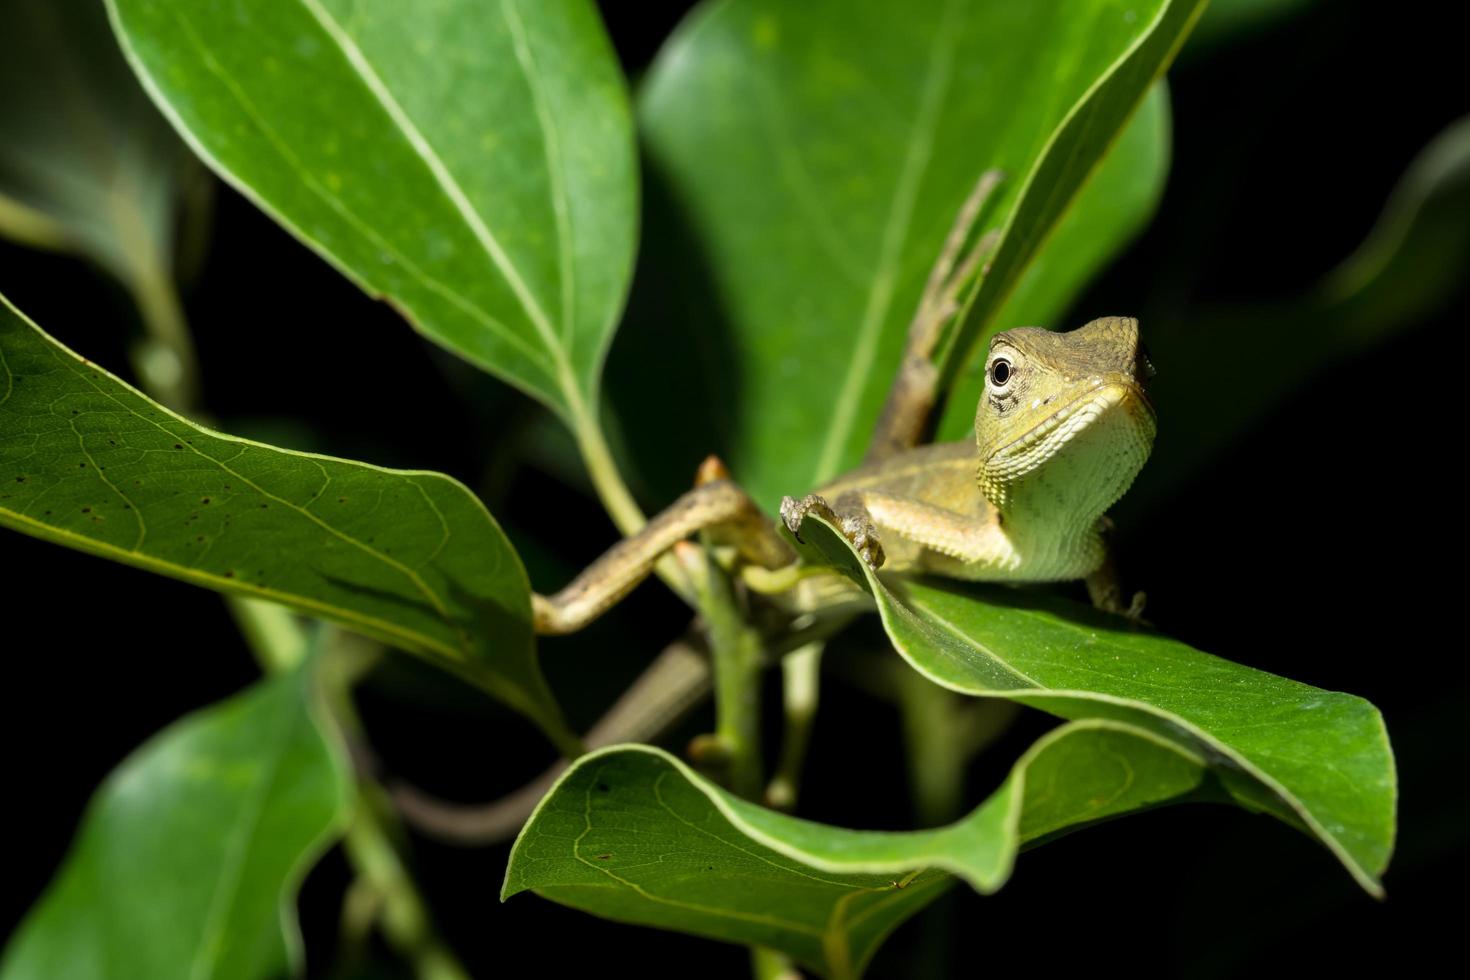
x: 1052, y: 484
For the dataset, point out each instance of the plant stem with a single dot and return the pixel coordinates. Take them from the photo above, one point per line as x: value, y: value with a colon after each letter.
x: 607, y: 480
x: 166, y: 363
x: 736, y: 650
x: 936, y: 763
x: 800, y: 688
x: 369, y: 842
x: 767, y: 964
x: 271, y: 631
x: 403, y: 915
x: 616, y: 499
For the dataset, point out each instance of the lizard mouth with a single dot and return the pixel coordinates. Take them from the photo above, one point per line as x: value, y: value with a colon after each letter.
x: 1079, y: 414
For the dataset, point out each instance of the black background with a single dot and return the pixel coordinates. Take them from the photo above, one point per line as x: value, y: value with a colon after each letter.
x: 1324, y: 545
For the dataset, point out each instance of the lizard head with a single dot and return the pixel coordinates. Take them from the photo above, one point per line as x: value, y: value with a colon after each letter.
x: 1063, y: 425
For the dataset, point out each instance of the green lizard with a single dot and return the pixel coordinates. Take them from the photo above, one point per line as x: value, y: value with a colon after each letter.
x: 1062, y: 428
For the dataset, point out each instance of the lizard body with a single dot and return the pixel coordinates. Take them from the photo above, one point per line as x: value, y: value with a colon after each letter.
x: 1062, y: 428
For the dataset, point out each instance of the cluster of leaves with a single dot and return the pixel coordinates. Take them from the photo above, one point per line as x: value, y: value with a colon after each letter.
x: 475, y: 165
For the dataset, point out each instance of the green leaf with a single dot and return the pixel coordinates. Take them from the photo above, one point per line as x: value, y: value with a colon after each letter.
x: 1111, y: 209
x: 190, y: 854
x: 1317, y: 759
x: 820, y: 151
x: 86, y: 163
x: 471, y: 162
x: 409, y: 557
x: 630, y: 833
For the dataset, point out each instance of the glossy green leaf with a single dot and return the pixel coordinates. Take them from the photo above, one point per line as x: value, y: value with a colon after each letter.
x: 630, y: 833
x: 189, y: 857
x: 86, y: 163
x: 820, y: 152
x: 412, y: 558
x: 1317, y: 759
x: 1111, y: 209
x: 471, y: 162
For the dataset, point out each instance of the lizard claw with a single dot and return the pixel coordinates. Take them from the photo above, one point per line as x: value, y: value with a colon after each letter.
x: 794, y: 511
x: 864, y: 538
x: 1134, y: 612
x: 857, y: 528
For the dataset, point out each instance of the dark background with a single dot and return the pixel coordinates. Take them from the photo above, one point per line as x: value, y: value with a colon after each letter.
x: 1323, y: 545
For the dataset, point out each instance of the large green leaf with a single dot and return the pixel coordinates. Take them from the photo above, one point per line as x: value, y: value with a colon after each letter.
x: 630, y: 833
x: 189, y: 857
x: 472, y: 162
x: 86, y: 163
x: 1317, y: 759
x: 820, y: 151
x: 412, y: 558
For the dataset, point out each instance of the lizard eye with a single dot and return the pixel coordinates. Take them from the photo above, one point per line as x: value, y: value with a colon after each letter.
x: 1000, y: 372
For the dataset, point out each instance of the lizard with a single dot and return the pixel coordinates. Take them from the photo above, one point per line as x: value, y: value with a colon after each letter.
x: 1063, y: 426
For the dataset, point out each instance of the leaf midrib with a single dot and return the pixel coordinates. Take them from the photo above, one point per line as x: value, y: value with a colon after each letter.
x: 441, y: 173
x: 246, y: 827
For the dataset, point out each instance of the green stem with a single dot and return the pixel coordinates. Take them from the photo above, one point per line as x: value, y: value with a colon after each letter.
x: 616, y: 498
x: 369, y: 842
x: 167, y: 363
x: 931, y: 718
x: 403, y: 916
x: 272, y: 632
x: 607, y: 480
x: 800, y: 687
x: 767, y: 964
x: 737, y: 654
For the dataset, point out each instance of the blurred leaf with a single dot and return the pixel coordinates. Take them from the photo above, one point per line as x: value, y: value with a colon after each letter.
x: 189, y: 857
x: 820, y: 151
x: 470, y: 162
x: 630, y: 833
x: 86, y: 163
x: 1227, y: 21
x: 409, y: 557
x: 1414, y: 260
x: 1212, y: 385
x: 1317, y: 759
x: 1110, y: 210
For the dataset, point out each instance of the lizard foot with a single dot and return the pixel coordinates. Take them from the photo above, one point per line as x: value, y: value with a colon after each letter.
x: 1134, y: 612
x: 856, y: 527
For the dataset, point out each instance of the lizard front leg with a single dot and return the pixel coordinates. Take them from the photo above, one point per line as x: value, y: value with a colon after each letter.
x: 848, y: 516
x: 1105, y: 585
x: 949, y: 542
x: 715, y: 504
